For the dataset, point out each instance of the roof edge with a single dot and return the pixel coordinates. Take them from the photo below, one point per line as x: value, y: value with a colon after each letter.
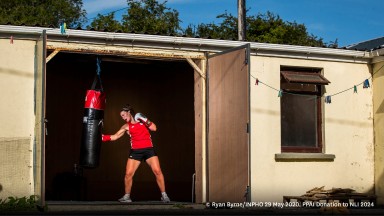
x: 213, y: 44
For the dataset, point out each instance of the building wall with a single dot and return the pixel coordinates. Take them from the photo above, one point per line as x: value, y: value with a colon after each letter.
x: 348, y: 133
x: 378, y: 112
x: 16, y: 117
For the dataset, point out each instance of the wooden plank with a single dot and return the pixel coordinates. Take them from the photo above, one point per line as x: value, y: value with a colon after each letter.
x: 197, y: 68
x: 199, y: 115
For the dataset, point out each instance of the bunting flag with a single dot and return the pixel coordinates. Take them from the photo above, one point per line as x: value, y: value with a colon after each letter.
x: 354, y: 89
x: 328, y: 99
x: 63, y: 28
x: 366, y: 84
x: 280, y: 93
x: 257, y: 82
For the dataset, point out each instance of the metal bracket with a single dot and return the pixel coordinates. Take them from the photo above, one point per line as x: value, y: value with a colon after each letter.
x: 45, y: 125
x: 247, y: 194
x: 246, y: 57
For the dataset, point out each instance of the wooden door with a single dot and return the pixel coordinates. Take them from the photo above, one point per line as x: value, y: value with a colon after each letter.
x: 228, y: 125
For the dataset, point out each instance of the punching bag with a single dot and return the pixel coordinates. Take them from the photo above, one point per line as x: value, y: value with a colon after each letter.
x: 92, y: 126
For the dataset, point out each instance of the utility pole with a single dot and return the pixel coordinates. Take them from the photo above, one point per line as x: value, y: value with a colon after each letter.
x: 241, y: 19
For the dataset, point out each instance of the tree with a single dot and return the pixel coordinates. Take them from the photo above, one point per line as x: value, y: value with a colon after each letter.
x: 43, y: 12
x: 106, y: 22
x: 271, y: 28
x: 265, y: 28
x: 152, y: 17
x: 142, y: 16
x: 155, y: 18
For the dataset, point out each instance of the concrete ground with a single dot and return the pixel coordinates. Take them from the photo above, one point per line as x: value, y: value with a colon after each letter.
x: 181, y: 208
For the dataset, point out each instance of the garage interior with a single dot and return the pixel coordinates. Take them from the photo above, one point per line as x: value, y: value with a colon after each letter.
x: 162, y: 89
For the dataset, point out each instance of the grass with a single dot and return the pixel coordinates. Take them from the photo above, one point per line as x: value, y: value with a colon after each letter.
x: 19, y: 204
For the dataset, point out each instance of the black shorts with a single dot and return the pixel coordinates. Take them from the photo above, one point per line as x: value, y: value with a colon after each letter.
x: 142, y: 154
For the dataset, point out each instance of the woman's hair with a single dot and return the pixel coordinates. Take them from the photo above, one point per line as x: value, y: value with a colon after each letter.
x: 128, y: 108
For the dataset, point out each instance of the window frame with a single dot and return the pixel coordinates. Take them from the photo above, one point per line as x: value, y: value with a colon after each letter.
x: 322, y: 81
x: 319, y: 105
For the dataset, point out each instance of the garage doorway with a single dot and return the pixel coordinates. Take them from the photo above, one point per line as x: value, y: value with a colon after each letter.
x: 161, y: 89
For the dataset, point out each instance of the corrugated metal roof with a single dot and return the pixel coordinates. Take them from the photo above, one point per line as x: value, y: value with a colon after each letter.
x: 368, y: 45
x: 116, y: 31
x: 372, y: 44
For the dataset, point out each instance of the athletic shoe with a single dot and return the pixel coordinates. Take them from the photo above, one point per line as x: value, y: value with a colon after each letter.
x: 125, y: 199
x: 165, y: 198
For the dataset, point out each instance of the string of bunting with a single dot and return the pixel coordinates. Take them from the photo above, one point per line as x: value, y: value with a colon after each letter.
x: 328, y: 98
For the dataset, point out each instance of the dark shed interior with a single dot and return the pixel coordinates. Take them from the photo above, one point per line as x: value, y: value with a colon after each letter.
x: 161, y: 89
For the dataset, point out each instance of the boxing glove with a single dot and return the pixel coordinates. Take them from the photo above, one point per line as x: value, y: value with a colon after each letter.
x: 105, y: 138
x: 142, y: 118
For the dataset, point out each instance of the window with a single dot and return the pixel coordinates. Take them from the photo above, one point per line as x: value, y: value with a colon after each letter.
x: 301, y: 109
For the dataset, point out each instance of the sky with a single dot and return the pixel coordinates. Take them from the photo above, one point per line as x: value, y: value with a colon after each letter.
x: 348, y: 21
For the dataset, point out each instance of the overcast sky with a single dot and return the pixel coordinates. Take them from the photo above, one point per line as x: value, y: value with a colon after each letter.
x: 349, y: 21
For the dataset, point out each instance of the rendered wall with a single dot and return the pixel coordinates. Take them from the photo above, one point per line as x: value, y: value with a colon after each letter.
x: 16, y: 117
x: 378, y: 112
x: 347, y: 128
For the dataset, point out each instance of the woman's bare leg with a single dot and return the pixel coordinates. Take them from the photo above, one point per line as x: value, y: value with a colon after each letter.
x: 130, y: 170
x: 154, y: 163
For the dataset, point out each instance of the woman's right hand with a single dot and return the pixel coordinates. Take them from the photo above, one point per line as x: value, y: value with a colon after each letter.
x: 105, y: 138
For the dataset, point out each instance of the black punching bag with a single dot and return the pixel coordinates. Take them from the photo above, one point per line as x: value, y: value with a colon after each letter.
x: 92, y: 125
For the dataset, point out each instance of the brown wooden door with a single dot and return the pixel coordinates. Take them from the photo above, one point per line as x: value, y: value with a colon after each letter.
x: 228, y: 118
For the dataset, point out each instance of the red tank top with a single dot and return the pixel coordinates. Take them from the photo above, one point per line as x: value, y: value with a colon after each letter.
x: 140, y: 136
